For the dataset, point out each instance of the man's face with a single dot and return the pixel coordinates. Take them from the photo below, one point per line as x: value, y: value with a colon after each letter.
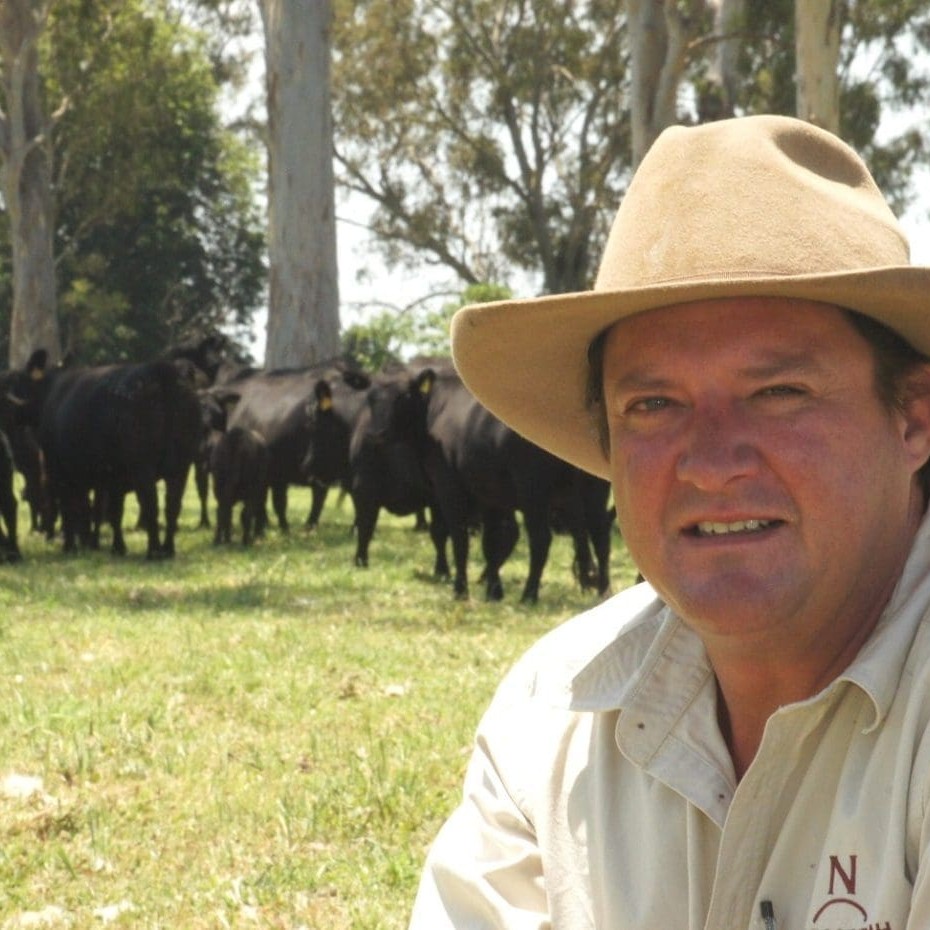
x: 761, y: 486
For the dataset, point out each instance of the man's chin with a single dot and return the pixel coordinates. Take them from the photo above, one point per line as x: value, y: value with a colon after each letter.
x: 744, y: 605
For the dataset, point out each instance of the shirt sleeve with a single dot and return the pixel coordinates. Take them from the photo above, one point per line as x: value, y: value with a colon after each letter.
x: 484, y: 870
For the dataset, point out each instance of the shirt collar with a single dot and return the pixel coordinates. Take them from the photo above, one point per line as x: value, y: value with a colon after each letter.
x: 653, y: 660
x: 878, y: 667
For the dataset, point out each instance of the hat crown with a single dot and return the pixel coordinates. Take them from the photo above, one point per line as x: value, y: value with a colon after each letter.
x: 763, y: 196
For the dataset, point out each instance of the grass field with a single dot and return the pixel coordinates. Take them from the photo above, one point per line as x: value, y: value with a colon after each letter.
x: 242, y: 738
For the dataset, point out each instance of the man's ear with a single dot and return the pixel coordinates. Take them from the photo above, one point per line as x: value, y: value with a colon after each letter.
x: 915, y: 412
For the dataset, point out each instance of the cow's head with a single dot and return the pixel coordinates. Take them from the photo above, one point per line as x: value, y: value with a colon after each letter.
x: 25, y: 390
x: 330, y: 413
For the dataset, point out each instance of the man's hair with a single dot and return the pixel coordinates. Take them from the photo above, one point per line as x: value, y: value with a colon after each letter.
x: 895, y: 360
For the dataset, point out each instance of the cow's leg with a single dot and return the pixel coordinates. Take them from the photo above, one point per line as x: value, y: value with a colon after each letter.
x: 261, y: 515
x: 439, y: 533
x: 223, y: 517
x: 147, y: 495
x: 453, y: 501
x: 8, y: 506
x: 460, y: 556
x: 69, y: 501
x: 279, y: 502
x: 600, y: 538
x: 51, y: 510
x: 116, y: 501
x: 318, y: 494
x: 576, y: 526
x: 247, y: 520
x: 174, y: 495
x: 202, y: 482
x: 366, y: 519
x: 492, y: 545
x: 96, y: 509
x: 510, y: 535
x: 536, y: 521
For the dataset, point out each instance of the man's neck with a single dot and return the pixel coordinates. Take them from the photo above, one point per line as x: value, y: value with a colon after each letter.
x: 751, y: 689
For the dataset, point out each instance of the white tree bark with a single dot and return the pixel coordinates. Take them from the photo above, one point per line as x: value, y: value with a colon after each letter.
x: 660, y: 31
x: 728, y: 24
x: 303, y: 313
x: 25, y: 153
x: 817, y: 27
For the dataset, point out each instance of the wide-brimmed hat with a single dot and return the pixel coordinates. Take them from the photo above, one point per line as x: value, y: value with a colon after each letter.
x: 761, y: 206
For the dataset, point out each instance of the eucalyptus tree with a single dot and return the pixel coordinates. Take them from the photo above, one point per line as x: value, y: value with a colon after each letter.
x: 882, y: 71
x: 25, y: 168
x: 303, y: 307
x: 487, y: 133
x: 157, y: 233
x: 497, y: 136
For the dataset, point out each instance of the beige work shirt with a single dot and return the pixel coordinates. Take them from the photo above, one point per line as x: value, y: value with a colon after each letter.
x: 600, y: 793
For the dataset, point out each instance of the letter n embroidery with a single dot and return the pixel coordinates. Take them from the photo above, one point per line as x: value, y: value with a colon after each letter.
x: 847, y: 876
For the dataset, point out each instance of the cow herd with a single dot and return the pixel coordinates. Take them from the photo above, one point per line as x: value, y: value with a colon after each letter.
x: 409, y: 440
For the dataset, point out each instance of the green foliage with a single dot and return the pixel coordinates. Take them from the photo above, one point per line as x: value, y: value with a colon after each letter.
x: 488, y: 132
x: 431, y: 329
x: 158, y: 234
x: 255, y: 737
x: 879, y: 74
x: 378, y: 342
x: 493, y: 135
x: 393, y: 337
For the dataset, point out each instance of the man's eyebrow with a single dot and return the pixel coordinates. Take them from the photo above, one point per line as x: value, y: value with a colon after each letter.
x: 639, y: 379
x: 776, y: 364
x: 768, y: 365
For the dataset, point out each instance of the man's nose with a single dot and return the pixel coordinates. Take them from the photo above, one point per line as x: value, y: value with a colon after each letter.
x: 718, y: 448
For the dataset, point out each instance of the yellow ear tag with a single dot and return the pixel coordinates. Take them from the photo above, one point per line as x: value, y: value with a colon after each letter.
x: 326, y: 403
x: 37, y: 374
x: 426, y: 386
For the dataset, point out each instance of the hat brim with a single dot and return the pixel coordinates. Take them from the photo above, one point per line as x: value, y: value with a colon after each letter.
x: 526, y: 360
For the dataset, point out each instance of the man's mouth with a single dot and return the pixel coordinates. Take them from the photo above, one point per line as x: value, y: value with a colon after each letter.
x: 737, y: 527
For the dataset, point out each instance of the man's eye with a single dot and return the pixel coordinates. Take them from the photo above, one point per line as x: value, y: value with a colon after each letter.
x: 649, y: 405
x: 781, y: 390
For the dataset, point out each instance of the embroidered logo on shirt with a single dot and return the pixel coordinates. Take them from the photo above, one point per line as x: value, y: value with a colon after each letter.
x: 842, y: 910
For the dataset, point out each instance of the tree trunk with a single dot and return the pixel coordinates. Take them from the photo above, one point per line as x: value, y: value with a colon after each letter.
x: 817, y: 26
x: 723, y: 84
x: 25, y: 149
x: 303, y: 313
x: 659, y: 32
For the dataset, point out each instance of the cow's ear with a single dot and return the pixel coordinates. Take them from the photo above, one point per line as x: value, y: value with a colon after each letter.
x: 35, y: 367
x: 324, y: 395
x: 424, y: 382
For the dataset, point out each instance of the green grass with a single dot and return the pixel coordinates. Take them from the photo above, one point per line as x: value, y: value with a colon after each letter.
x: 263, y: 737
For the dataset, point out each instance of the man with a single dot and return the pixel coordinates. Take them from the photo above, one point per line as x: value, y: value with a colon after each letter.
x: 744, y: 741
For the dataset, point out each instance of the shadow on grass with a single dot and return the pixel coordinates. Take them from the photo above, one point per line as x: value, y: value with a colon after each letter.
x: 304, y: 574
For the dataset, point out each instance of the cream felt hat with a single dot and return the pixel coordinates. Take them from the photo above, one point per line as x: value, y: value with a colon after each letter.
x: 761, y: 206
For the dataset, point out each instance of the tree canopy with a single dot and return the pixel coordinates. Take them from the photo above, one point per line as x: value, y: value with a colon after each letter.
x: 493, y: 137
x: 158, y: 234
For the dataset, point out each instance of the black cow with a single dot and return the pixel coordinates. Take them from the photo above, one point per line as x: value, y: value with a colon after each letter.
x: 239, y: 465
x: 582, y: 511
x: 9, y: 546
x: 27, y: 458
x: 477, y: 466
x: 331, y: 413
x: 26, y: 454
x: 109, y: 430
x: 275, y: 405
x: 207, y: 353
x: 349, y: 444
x: 214, y: 415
